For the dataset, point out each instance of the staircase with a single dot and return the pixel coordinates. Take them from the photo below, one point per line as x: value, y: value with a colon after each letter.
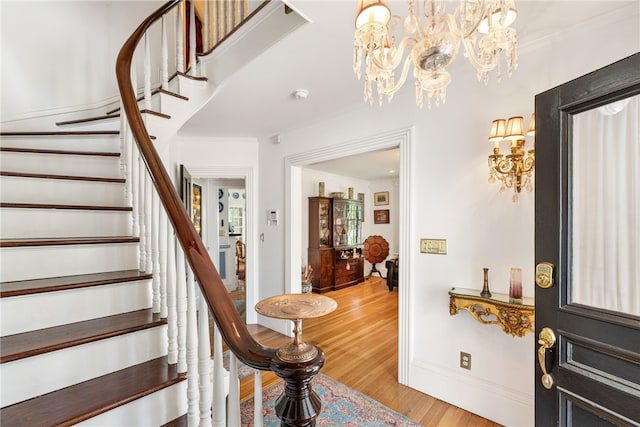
x: 80, y: 343
x: 99, y: 324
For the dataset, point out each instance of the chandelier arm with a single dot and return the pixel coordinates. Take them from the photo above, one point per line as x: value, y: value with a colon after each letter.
x: 400, y: 82
x: 471, y: 56
x: 397, y: 56
x: 451, y: 22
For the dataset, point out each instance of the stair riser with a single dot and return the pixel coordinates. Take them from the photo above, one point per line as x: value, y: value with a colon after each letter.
x: 102, y: 143
x: 111, y: 123
x: 60, y: 164
x: 170, y: 104
x: 154, y: 410
x: 32, y: 223
x: 70, y: 306
x: 53, y: 261
x: 33, y: 376
x: 59, y: 191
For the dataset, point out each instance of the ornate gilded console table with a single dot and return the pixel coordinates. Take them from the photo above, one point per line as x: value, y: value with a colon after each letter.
x: 514, y: 317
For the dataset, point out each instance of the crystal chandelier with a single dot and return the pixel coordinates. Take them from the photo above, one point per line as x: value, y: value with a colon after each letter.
x: 513, y: 170
x: 432, y: 40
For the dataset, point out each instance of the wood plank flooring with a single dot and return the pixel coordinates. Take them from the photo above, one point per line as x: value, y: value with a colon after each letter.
x: 360, y: 340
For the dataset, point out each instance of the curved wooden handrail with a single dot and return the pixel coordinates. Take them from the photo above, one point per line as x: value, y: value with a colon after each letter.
x: 232, y: 328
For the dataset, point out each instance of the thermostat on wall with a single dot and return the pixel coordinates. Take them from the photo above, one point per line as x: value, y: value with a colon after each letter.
x: 272, y: 217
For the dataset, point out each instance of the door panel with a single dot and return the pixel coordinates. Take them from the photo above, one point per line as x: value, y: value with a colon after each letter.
x: 587, y: 220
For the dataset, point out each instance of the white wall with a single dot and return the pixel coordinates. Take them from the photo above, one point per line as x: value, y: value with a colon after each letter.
x: 45, y: 46
x: 451, y: 199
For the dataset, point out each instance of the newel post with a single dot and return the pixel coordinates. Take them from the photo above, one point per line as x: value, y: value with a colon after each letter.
x: 297, y: 362
x: 299, y: 405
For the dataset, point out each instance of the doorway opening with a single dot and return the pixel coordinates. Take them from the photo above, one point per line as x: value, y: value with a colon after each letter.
x: 294, y: 248
x: 228, y: 230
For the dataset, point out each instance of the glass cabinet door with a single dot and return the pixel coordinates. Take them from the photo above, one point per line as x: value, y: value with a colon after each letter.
x: 324, y: 236
x: 347, y: 217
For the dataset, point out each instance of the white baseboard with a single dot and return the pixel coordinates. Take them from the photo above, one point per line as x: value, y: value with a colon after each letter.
x: 504, y: 405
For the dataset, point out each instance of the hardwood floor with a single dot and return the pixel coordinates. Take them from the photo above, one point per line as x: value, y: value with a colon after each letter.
x: 360, y: 340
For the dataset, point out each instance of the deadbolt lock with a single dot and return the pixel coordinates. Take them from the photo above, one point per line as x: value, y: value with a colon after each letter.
x: 544, y: 274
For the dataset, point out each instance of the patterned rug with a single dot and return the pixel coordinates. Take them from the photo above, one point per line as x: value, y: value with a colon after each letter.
x: 341, y: 406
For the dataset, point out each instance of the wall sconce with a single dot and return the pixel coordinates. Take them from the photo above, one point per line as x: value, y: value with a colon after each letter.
x: 513, y: 170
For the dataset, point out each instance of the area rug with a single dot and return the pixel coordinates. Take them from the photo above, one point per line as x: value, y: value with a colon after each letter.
x: 341, y: 406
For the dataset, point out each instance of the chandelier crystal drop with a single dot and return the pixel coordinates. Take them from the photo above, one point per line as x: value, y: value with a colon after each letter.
x: 432, y: 39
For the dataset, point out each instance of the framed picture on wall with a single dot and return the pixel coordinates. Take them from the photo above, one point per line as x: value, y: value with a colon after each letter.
x: 381, y: 198
x: 381, y: 216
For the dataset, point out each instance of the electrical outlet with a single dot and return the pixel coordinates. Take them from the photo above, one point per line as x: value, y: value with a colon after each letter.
x: 465, y: 360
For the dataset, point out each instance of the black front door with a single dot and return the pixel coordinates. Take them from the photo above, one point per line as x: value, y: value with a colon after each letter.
x: 587, y: 252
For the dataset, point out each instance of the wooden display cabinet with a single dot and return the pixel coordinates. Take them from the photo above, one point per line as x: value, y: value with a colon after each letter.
x: 335, y: 238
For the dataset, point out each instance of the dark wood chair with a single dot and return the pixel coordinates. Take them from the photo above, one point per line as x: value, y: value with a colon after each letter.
x: 240, y: 260
x: 392, y: 273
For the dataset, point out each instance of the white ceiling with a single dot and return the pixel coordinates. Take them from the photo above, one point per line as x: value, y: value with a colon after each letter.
x: 257, y: 100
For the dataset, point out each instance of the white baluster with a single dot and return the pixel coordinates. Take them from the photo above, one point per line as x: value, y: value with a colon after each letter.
x: 204, y: 363
x: 205, y: 39
x: 155, y: 247
x: 229, y: 17
x: 192, y: 39
x: 125, y: 159
x: 133, y: 176
x: 181, y: 306
x: 142, y: 175
x: 217, y: 16
x: 123, y: 149
x: 257, y: 398
x: 164, y: 227
x: 148, y: 193
x: 147, y: 71
x: 172, y: 318
x: 193, y: 391
x: 165, y: 55
x: 180, y: 38
x: 233, y: 402
x: 219, y: 374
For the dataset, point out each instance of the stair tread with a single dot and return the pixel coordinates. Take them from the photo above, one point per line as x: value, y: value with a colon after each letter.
x: 65, y: 177
x: 88, y: 119
x: 153, y: 92
x: 63, y: 152
x: 51, y: 284
x: 62, y: 133
x: 61, y: 206
x: 182, y: 421
x: 32, y: 343
x: 12, y: 243
x: 85, y: 400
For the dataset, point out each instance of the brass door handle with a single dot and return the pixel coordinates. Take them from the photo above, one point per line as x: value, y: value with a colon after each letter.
x: 546, y: 339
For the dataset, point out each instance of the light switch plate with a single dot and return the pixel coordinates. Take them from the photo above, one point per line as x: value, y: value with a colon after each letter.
x: 433, y: 246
